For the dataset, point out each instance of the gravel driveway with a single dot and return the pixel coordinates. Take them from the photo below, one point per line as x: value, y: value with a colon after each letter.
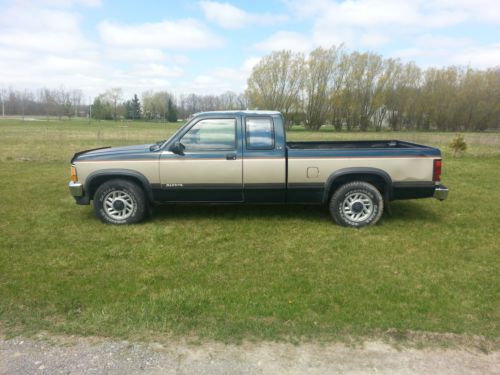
x: 97, y: 356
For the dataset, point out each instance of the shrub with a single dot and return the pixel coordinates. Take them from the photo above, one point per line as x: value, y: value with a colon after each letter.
x: 458, y: 145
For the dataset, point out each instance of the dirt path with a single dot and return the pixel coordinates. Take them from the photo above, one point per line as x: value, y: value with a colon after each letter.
x: 90, y: 356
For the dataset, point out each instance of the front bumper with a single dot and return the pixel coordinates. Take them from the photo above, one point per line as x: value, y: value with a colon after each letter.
x: 441, y: 192
x: 76, y: 190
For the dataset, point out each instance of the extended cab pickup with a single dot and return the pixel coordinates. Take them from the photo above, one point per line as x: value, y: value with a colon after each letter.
x: 243, y: 157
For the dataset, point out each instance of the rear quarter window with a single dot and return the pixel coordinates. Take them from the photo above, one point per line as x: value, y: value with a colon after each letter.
x: 259, y: 133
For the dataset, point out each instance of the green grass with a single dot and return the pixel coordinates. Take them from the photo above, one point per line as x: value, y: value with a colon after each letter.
x: 230, y: 273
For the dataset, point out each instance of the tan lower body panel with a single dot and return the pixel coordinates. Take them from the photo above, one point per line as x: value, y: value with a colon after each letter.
x: 399, y: 169
x: 201, y: 171
x: 148, y: 168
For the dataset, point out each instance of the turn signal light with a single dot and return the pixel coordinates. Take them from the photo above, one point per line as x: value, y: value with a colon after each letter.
x: 436, y: 174
x: 74, y: 178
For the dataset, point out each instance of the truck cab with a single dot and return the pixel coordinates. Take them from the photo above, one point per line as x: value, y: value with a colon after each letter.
x: 225, y: 157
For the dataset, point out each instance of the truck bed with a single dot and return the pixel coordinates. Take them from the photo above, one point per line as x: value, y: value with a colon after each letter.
x: 377, y: 144
x: 348, y: 149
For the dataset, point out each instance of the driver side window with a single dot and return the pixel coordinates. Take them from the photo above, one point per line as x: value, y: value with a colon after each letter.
x: 211, y: 134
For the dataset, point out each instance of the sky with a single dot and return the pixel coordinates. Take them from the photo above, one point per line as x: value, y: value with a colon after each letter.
x: 209, y: 47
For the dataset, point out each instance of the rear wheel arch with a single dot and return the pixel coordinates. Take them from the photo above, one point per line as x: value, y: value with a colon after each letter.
x: 377, y: 177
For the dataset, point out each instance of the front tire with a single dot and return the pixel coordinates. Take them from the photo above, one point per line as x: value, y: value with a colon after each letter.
x: 356, y: 204
x: 120, y: 202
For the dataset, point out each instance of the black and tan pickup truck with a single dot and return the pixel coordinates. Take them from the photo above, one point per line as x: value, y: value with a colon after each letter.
x: 243, y: 157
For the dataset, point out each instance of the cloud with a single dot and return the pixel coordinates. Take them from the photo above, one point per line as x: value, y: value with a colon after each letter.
x: 222, y: 79
x: 285, y: 40
x: 156, y: 70
x: 44, y: 46
x: 151, y: 55
x: 374, y: 23
x: 478, y: 56
x: 180, y: 34
x: 440, y: 50
x: 32, y: 28
x: 231, y: 17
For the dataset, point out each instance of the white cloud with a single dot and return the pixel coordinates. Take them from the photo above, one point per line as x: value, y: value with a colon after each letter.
x: 373, y: 23
x: 231, y: 17
x: 150, y: 55
x: 478, y: 56
x: 31, y: 28
x: 44, y: 46
x: 439, y: 50
x: 220, y: 80
x: 285, y: 40
x: 156, y: 70
x: 136, y: 54
x: 180, y: 34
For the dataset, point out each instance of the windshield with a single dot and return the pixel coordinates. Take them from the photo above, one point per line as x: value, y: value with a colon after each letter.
x: 160, y: 144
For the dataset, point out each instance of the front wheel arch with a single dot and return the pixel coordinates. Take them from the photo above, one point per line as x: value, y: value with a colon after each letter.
x: 97, y: 178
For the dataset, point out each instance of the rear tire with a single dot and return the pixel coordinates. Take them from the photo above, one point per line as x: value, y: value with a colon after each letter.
x: 356, y: 204
x: 120, y: 202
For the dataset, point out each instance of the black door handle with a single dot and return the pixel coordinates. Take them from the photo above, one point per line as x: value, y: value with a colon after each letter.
x: 231, y: 156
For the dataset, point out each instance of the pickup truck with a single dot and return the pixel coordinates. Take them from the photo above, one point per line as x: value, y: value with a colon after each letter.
x: 243, y: 157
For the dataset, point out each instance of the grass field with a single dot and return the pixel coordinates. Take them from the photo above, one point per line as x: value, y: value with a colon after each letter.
x: 230, y: 273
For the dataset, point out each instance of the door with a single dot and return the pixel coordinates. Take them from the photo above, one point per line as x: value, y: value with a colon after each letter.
x: 264, y: 161
x: 210, y: 167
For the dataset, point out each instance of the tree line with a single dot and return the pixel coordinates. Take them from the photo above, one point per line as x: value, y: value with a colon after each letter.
x: 348, y: 90
x: 361, y: 91
x: 111, y: 104
x: 44, y: 102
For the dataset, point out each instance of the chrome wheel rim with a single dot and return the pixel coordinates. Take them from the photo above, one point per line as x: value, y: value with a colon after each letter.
x: 357, y: 207
x: 118, y: 205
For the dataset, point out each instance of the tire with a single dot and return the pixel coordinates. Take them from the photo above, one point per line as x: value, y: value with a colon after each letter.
x: 356, y: 204
x: 120, y: 202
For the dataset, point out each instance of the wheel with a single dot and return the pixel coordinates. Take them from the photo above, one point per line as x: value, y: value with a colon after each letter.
x: 356, y: 204
x: 120, y: 202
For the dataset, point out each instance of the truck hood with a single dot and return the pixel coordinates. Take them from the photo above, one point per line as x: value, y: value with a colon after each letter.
x: 112, y: 153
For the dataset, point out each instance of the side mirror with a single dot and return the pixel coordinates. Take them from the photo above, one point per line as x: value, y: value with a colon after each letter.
x: 177, y: 148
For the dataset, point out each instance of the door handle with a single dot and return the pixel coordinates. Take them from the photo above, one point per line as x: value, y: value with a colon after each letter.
x: 231, y: 156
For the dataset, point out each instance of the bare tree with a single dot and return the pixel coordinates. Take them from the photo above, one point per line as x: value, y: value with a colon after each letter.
x: 76, y: 100
x: 115, y: 95
x: 276, y: 82
x: 319, y: 81
x: 3, y: 96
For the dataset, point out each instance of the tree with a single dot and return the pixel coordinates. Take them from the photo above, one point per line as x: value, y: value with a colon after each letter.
x: 76, y: 99
x: 102, y: 109
x: 132, y: 108
x: 3, y: 95
x: 171, y: 112
x: 114, y: 95
x: 136, y: 107
x: 319, y: 73
x: 155, y: 104
x: 276, y: 81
